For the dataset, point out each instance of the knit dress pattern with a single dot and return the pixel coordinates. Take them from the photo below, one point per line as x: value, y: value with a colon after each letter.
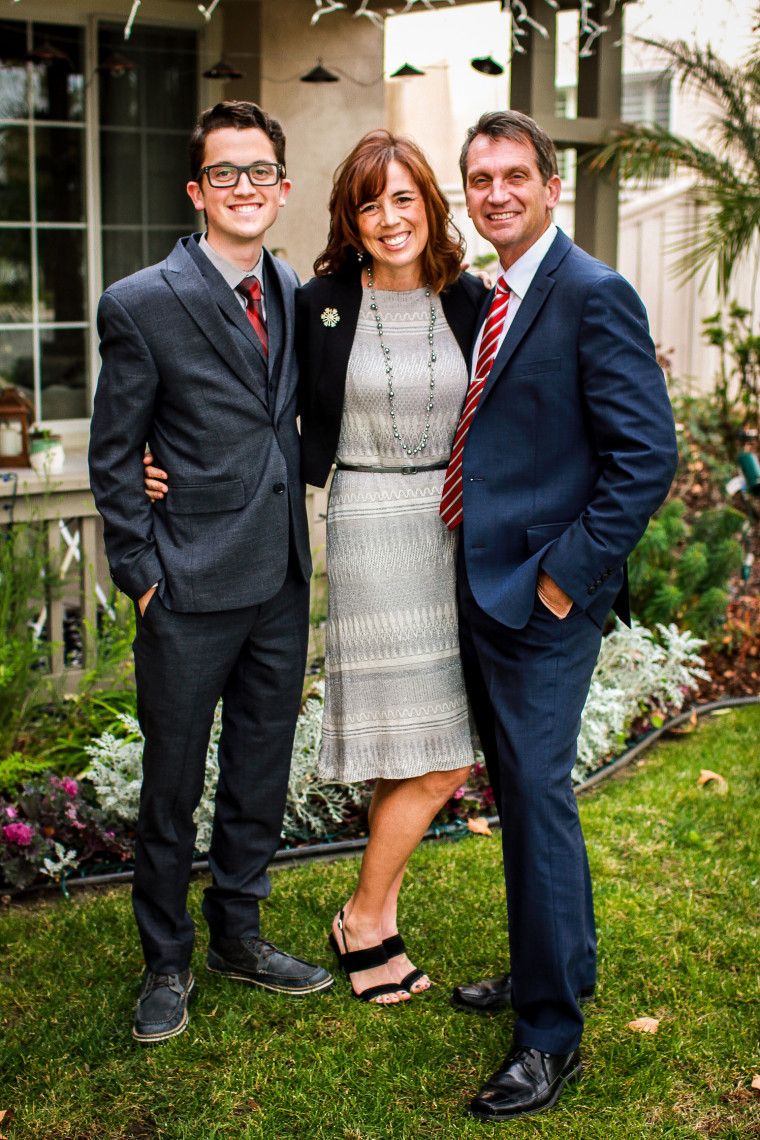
x: 395, y: 701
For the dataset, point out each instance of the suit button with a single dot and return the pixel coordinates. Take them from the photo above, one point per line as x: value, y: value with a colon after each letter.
x: 278, y: 488
x: 592, y: 589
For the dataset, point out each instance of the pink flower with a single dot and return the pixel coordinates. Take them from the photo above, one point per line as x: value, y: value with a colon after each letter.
x: 70, y: 787
x: 459, y: 793
x: 19, y: 833
x: 11, y: 812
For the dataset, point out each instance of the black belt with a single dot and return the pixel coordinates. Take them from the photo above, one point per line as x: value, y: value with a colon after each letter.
x: 394, y: 470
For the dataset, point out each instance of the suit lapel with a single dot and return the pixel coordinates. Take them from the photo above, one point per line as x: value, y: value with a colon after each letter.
x: 195, y: 287
x: 280, y: 328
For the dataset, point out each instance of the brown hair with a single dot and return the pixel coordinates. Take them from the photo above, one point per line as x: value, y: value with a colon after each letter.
x: 516, y: 127
x: 241, y: 116
x: 361, y: 178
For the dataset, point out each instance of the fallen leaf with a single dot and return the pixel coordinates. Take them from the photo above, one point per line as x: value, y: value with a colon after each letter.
x: 687, y: 726
x: 479, y: 826
x: 721, y: 712
x: 645, y: 1024
x: 705, y: 776
x: 755, y: 1082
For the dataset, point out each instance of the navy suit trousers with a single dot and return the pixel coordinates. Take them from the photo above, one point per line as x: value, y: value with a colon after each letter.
x: 254, y: 658
x: 528, y: 688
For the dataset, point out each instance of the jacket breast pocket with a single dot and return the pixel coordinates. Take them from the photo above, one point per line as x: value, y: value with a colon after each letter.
x: 539, y: 536
x: 206, y: 498
x: 542, y: 367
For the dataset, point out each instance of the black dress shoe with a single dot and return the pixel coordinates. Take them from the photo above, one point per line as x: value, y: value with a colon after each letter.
x: 528, y: 1082
x: 161, y: 1010
x: 493, y: 994
x: 258, y: 962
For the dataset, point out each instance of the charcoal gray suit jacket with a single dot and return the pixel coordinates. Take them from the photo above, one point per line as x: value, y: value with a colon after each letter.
x: 183, y: 371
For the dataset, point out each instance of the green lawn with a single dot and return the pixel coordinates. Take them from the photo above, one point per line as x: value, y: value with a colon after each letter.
x: 678, y: 893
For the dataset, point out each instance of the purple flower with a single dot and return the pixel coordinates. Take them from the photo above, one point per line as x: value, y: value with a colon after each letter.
x: 19, y: 833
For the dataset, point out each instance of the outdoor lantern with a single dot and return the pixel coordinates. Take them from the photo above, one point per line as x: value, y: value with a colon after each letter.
x: 116, y: 65
x: 319, y: 74
x: 486, y: 65
x: 223, y: 70
x: 16, y: 414
x: 405, y: 71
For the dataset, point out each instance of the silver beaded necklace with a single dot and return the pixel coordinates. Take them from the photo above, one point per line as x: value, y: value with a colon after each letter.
x: 389, y: 368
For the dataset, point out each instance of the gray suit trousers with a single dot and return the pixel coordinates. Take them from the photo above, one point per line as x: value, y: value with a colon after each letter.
x: 255, y: 658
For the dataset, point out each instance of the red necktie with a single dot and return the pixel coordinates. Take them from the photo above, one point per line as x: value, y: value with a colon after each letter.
x: 251, y: 290
x: 451, y: 496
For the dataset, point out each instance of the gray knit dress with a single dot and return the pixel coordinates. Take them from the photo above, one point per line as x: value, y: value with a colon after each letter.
x: 395, y: 703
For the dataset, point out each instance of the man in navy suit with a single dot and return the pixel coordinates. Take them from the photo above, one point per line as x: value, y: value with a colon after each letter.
x: 570, y: 448
x: 198, y: 362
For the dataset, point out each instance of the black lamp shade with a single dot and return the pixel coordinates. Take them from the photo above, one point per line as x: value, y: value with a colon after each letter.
x: 486, y: 65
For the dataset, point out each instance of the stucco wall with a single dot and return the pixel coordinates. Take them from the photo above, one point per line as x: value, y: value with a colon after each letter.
x: 322, y: 121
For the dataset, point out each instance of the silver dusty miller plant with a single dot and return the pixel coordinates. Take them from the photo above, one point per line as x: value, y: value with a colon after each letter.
x: 313, y: 807
x: 635, y: 674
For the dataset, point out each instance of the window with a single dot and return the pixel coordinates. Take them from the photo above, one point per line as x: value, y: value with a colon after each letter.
x: 43, y: 223
x: 646, y: 99
x: 49, y: 229
x: 145, y: 120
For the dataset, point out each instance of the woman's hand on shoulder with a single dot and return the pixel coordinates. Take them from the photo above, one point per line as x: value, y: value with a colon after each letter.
x: 156, y: 480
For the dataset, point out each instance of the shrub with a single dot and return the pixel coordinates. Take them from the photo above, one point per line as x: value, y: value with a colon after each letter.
x: 634, y: 675
x: 679, y: 572
x: 314, y: 806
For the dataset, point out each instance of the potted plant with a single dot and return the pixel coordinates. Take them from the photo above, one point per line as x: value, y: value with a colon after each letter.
x: 46, y: 453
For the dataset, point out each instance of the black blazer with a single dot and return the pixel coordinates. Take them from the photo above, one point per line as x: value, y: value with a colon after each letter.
x: 327, y: 310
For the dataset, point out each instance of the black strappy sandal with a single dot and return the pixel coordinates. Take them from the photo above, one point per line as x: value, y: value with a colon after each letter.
x: 394, y: 946
x: 353, y: 961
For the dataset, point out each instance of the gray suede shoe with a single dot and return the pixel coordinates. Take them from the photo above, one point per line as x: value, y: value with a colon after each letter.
x: 161, y: 1010
x: 258, y: 962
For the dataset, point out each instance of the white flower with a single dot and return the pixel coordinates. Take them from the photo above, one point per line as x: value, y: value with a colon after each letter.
x: 330, y: 318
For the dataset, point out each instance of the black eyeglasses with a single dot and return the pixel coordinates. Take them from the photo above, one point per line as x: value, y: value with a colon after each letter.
x: 225, y: 175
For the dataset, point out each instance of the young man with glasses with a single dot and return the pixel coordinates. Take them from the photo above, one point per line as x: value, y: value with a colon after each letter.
x: 198, y: 363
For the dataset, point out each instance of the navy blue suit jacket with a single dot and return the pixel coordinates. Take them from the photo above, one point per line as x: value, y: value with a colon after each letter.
x: 572, y: 446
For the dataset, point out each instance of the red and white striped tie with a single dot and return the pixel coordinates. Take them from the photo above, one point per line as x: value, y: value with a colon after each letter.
x: 251, y: 290
x: 451, y: 496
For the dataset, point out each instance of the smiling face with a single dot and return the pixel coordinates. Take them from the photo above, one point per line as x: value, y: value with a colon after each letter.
x: 394, y: 230
x: 508, y: 202
x: 238, y: 218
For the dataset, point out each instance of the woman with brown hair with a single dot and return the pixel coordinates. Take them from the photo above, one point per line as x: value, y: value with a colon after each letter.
x: 383, y: 334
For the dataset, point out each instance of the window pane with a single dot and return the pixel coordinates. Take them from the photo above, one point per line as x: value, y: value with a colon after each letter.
x: 58, y: 84
x: 121, y: 178
x: 15, y: 277
x: 14, y: 103
x: 17, y: 361
x: 122, y: 254
x: 14, y: 174
x: 60, y: 256
x: 168, y: 201
x: 120, y: 94
x: 170, y: 80
x: 60, y: 174
x: 162, y: 242
x: 63, y: 360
